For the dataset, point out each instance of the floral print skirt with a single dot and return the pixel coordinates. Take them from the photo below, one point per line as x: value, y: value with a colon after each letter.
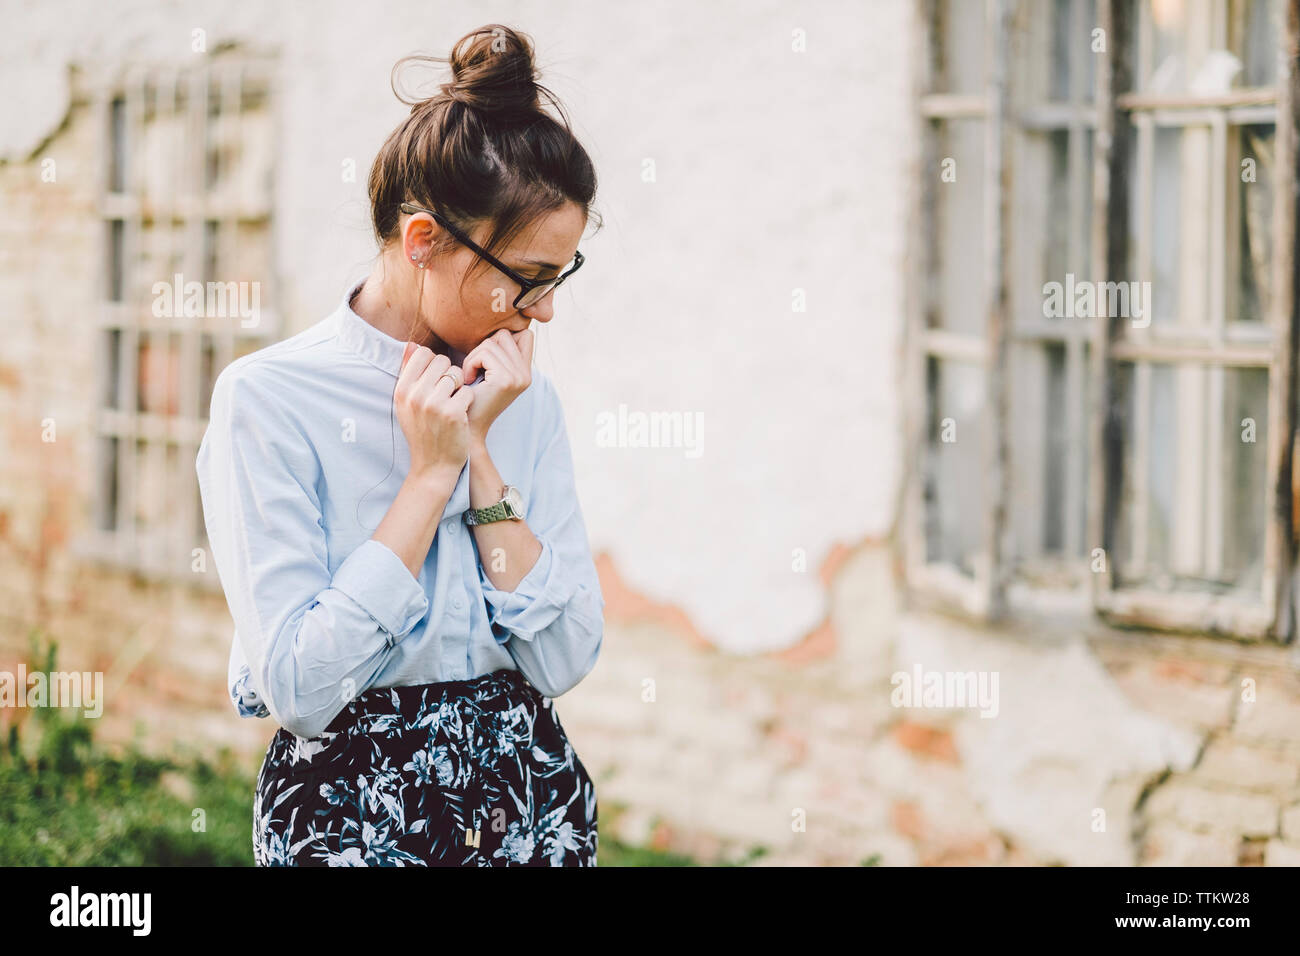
x: 475, y: 772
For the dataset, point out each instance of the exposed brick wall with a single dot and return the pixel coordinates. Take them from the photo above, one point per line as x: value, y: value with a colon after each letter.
x: 162, y: 647
x: 1187, y: 772
x: 732, y: 746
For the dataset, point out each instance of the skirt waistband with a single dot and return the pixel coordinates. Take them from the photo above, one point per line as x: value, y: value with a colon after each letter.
x: 407, y: 702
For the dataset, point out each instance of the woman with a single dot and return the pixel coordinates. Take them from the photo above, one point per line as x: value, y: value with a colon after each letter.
x: 407, y: 606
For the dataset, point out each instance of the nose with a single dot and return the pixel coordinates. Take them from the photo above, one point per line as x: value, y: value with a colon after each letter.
x: 543, y: 310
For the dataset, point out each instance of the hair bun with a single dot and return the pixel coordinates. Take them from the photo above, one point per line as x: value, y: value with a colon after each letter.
x: 494, y: 72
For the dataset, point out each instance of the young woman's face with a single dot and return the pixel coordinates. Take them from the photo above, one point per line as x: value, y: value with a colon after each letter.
x: 462, y: 320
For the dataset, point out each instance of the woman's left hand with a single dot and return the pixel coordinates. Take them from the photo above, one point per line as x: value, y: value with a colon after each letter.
x: 506, y: 360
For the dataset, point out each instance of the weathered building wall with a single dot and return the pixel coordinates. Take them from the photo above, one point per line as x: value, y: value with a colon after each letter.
x: 778, y: 181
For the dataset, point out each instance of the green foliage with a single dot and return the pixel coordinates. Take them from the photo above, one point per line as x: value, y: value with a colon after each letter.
x: 67, y: 801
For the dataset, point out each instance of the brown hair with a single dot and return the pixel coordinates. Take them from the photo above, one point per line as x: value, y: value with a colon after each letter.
x: 483, y: 148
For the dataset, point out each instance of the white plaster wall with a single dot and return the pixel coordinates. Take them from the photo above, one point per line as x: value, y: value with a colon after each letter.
x: 775, y: 171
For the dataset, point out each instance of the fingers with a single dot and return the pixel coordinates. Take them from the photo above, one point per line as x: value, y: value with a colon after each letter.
x: 518, y: 350
x: 420, y: 378
x: 414, y: 363
x: 524, y: 342
x: 472, y: 364
x: 440, y: 380
x: 504, y: 346
x: 462, y: 400
x: 410, y: 347
x: 489, y: 355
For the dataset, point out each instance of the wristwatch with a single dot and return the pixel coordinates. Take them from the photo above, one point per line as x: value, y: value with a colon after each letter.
x: 510, y: 506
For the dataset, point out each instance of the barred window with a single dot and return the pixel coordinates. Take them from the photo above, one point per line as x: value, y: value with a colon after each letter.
x: 1100, y: 346
x: 187, y: 286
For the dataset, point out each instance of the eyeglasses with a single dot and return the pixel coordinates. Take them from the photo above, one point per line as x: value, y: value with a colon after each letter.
x: 531, y: 290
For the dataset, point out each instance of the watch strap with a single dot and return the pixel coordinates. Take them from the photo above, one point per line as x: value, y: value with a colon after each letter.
x: 496, y: 512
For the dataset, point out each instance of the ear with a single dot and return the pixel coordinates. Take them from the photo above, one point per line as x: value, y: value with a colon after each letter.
x: 417, y: 238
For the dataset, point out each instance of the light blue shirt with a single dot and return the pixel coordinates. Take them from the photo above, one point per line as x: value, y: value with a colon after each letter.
x: 300, y: 461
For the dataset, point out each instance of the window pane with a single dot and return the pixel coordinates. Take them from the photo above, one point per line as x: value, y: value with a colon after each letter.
x: 1056, y: 444
x: 1166, y: 223
x: 1253, y: 176
x: 1067, y: 238
x: 1049, y: 447
x: 1135, y: 527
x: 160, y: 258
x: 117, y: 145
x: 207, y: 374
x: 1167, y: 71
x: 1060, y: 402
x: 1062, y: 37
x: 1085, y: 227
x: 116, y: 264
x: 1058, y: 209
x: 1178, y: 221
x: 959, y: 228
x: 1072, y: 66
x: 959, y: 53
x: 211, y: 250
x: 253, y: 257
x: 179, y: 480
x: 1256, y: 26
x: 150, y: 489
x: 106, y: 500
x: 1051, y: 236
x: 112, y: 368
x: 954, y: 485
x: 1087, y: 57
x: 163, y: 150
x: 212, y: 159
x: 159, y: 374
x: 1198, y: 525
x: 1245, y: 438
x: 1191, y: 52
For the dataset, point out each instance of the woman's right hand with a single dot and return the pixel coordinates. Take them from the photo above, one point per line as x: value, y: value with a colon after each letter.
x: 433, y: 411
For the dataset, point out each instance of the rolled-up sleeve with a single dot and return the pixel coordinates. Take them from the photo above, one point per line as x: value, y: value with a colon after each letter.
x: 552, y: 623
x: 312, y: 639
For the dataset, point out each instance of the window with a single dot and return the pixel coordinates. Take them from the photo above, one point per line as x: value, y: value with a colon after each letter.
x: 186, y: 280
x: 1100, y: 338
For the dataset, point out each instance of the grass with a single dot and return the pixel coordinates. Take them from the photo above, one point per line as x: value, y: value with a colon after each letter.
x: 67, y: 801
x: 64, y: 801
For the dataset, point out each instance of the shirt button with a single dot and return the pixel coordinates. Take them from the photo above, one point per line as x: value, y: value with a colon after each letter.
x: 457, y: 603
x: 452, y: 527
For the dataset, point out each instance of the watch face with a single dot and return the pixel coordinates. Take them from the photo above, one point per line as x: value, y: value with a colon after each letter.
x: 515, y: 500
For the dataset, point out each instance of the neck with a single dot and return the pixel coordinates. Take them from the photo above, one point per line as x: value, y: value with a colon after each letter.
x: 390, y: 306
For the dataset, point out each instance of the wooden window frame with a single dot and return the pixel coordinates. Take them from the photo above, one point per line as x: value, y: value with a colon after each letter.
x: 1114, y: 115
x: 983, y: 594
x: 186, y: 216
x: 1123, y: 114
x: 1039, y: 116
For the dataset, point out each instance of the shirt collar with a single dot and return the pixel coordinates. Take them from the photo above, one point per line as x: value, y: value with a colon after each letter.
x: 356, y: 334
